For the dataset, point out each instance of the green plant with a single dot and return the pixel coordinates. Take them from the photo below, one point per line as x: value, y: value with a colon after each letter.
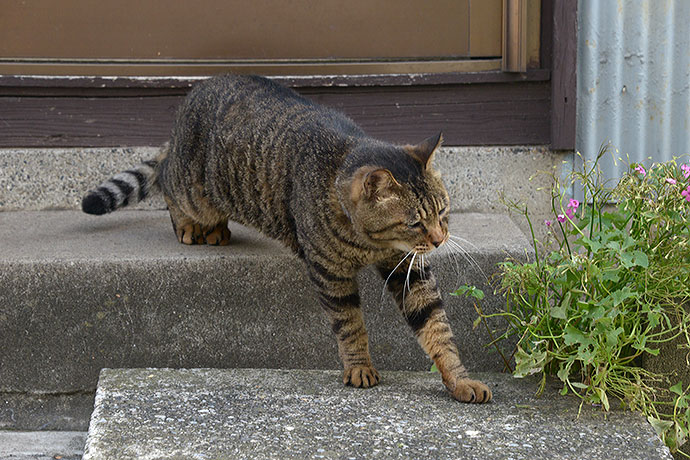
x: 610, y: 284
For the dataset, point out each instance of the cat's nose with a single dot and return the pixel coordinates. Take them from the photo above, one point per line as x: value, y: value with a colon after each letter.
x: 436, y: 237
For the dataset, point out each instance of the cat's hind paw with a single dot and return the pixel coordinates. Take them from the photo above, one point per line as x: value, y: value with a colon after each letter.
x: 218, y: 235
x: 361, y: 376
x: 190, y: 234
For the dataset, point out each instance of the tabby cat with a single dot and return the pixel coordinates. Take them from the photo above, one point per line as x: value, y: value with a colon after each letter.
x: 248, y: 149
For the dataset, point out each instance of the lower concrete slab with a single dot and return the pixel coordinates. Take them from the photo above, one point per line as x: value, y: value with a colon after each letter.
x: 46, y: 411
x: 42, y: 445
x: 280, y: 414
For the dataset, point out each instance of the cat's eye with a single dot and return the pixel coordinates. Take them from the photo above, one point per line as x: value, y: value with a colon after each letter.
x: 443, y: 215
x: 416, y: 224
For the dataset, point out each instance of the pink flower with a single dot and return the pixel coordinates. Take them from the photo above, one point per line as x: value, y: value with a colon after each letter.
x: 570, y: 212
x: 640, y: 169
x: 548, y: 223
x: 686, y: 193
x: 686, y: 170
x: 573, y: 204
x: 671, y: 181
x: 560, y: 218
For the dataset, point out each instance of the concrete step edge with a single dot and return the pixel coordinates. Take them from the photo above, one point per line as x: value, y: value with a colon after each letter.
x: 259, y: 413
x: 81, y: 293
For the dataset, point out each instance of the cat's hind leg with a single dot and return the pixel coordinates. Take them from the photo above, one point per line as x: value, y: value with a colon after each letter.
x: 191, y: 231
x: 218, y: 235
x: 186, y: 229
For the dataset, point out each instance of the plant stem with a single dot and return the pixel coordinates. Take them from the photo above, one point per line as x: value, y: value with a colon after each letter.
x: 491, y: 336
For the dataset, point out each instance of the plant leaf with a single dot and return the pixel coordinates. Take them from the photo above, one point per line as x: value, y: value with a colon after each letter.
x: 572, y: 335
x: 477, y: 322
x: 677, y: 388
x: 558, y: 311
x: 462, y: 290
x: 641, y: 259
x: 622, y: 294
x: 610, y: 275
x: 528, y: 364
x: 595, y: 246
x: 563, y: 373
x: 626, y: 259
x: 471, y: 291
x: 477, y: 294
x: 604, y: 399
x: 612, y: 336
x: 660, y: 426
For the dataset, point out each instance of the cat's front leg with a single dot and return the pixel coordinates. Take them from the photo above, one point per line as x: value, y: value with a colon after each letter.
x: 419, y: 299
x: 339, y: 298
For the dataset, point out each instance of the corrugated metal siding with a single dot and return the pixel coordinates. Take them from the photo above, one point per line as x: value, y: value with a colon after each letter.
x: 633, y: 82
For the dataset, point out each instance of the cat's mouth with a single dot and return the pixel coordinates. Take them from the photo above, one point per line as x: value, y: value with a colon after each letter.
x: 429, y: 246
x: 425, y: 248
x: 422, y: 248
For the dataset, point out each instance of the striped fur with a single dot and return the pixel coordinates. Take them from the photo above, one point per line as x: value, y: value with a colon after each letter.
x: 247, y: 149
x: 124, y: 188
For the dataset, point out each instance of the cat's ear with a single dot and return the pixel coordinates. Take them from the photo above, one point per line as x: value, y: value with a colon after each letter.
x: 378, y: 182
x: 424, y: 151
x: 372, y: 183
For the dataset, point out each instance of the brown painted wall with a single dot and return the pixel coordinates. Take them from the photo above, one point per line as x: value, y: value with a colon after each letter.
x: 475, y: 108
x: 498, y: 112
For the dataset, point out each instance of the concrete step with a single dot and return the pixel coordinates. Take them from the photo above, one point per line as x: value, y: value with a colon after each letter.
x: 41, y: 445
x: 296, y: 414
x: 56, y: 178
x: 79, y: 293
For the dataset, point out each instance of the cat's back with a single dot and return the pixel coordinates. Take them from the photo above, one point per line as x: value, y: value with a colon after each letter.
x: 254, y: 93
x: 255, y: 111
x: 251, y: 144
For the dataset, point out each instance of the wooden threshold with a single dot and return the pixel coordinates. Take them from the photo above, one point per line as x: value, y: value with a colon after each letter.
x: 42, y: 84
x: 196, y: 68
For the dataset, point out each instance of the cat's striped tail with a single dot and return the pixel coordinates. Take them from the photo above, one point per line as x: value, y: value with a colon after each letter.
x: 124, y: 188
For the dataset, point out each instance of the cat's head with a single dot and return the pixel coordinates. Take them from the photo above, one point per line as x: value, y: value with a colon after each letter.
x: 395, y: 199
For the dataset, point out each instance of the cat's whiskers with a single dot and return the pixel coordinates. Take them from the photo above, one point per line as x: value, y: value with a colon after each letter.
x: 383, y: 291
x: 458, y: 249
x: 421, y: 264
x: 464, y: 253
x: 451, y: 253
x: 462, y: 240
x: 409, y: 270
x: 407, y: 281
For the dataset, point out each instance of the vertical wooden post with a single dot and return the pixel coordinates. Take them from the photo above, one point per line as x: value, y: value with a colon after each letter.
x: 564, y: 74
x: 514, y: 36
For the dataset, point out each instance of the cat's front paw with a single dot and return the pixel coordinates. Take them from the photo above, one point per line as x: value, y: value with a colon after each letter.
x: 470, y: 391
x: 361, y: 376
